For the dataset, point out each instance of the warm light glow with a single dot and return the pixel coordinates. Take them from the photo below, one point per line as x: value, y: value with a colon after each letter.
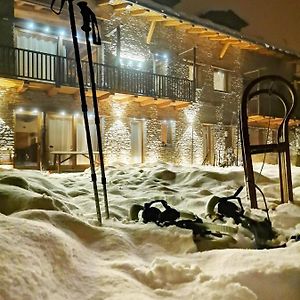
x: 118, y: 110
x: 31, y: 25
x: 132, y: 56
x: 35, y: 111
x: 62, y: 113
x: 19, y: 110
x: 76, y: 115
x: 190, y: 115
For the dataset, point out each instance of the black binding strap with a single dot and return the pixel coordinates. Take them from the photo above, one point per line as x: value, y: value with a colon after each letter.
x: 153, y: 214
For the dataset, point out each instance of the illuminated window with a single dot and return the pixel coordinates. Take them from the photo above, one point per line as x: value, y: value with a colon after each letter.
x: 221, y: 80
x: 197, y: 77
x: 167, y: 133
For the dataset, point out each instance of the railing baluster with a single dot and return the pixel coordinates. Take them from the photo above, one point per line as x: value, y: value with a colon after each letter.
x: 48, y: 67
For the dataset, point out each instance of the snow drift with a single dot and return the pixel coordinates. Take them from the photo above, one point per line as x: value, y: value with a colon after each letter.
x: 52, y: 248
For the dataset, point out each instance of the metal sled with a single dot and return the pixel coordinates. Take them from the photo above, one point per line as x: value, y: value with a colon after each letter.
x: 279, y: 88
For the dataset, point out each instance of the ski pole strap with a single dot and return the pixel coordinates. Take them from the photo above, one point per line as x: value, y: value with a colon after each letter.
x: 62, y: 3
x: 90, y: 18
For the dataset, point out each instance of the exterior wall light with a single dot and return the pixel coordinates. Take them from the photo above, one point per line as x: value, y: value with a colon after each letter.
x: 31, y: 25
x: 46, y: 29
x: 19, y: 110
x: 62, y: 113
x: 133, y: 57
x: 35, y: 111
x: 190, y: 116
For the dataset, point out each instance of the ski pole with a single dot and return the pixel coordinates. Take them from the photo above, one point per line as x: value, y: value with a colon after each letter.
x: 83, y: 99
x: 89, y: 18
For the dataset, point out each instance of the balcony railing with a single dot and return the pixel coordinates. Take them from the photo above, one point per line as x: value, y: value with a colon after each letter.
x: 38, y: 66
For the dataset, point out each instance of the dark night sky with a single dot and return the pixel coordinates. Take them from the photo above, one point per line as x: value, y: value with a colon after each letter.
x: 274, y: 21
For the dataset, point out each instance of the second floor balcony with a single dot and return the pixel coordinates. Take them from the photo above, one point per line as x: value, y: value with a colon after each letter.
x: 31, y: 65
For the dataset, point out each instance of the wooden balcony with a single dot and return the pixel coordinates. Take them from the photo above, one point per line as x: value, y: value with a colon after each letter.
x: 60, y: 71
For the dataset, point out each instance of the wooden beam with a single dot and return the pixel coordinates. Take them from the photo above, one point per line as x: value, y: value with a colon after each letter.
x: 52, y: 91
x: 197, y: 30
x: 185, y: 26
x: 121, y: 6
x: 158, y: 18
x: 172, y: 23
x: 104, y: 96
x: 150, y: 33
x: 141, y: 98
x: 123, y: 98
x: 23, y: 87
x: 160, y: 102
x: 23, y: 13
x: 20, y: 3
x: 231, y: 41
x: 224, y: 50
x: 243, y: 44
x: 166, y: 105
x: 147, y: 102
x: 208, y: 35
x: 266, y: 121
x: 221, y: 38
x: 76, y: 95
x: 180, y: 104
x: 139, y: 12
x: 207, y: 32
x: 99, y: 93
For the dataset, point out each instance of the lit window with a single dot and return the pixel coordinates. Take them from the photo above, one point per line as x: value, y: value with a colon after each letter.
x: 167, y: 133
x: 197, y: 77
x: 221, y: 80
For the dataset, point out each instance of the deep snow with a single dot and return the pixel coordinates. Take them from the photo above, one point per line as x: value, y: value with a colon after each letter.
x: 52, y: 248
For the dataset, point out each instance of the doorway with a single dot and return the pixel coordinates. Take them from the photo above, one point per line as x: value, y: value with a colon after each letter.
x: 137, y: 141
x: 27, y: 140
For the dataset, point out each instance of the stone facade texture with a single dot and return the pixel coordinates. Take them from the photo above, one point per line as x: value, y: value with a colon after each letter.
x: 212, y: 111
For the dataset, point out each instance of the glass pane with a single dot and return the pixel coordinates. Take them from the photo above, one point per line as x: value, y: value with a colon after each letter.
x: 137, y: 141
x: 26, y: 140
x: 220, y: 80
x: 60, y: 135
x: 81, y: 144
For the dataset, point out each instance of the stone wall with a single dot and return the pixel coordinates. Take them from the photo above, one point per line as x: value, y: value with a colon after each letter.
x: 218, y: 110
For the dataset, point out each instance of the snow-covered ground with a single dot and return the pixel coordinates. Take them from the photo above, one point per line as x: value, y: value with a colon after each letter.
x: 52, y: 248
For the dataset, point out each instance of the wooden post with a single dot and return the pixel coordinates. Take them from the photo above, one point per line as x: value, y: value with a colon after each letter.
x: 195, y: 77
x: 118, y: 57
x: 150, y: 33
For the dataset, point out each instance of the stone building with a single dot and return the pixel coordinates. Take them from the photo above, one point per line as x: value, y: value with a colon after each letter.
x: 168, y: 86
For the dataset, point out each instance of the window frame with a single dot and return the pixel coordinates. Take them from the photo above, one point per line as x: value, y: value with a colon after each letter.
x: 226, y: 84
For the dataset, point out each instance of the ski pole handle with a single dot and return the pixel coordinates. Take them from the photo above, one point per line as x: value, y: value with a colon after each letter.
x: 89, y: 18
